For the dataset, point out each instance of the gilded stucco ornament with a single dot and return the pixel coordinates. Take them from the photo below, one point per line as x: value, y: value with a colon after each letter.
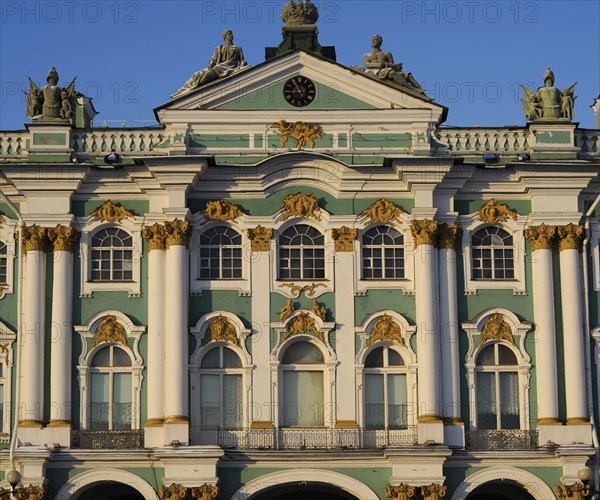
x: 296, y: 290
x: 496, y: 328
x: 260, y: 238
x: 570, y: 237
x: 286, y: 310
x: 493, y: 212
x: 51, y: 102
x: 400, y: 492
x: 4, y: 348
x: 301, y: 205
x: 2, y: 220
x: 575, y: 491
x: 178, y: 232
x: 63, y: 238
x: 156, y: 236
x: 222, y: 210
x: 35, y: 238
x: 303, y: 133
x: 541, y: 236
x: 111, y: 212
x: 31, y: 493
x: 385, y: 329
x: 448, y: 235
x: 205, y: 492
x: 303, y: 323
x: 549, y: 103
x: 344, y: 238
x: 424, y: 232
x: 299, y: 14
x: 110, y: 330
x: 382, y: 211
x: 318, y: 310
x: 222, y: 329
x: 433, y: 491
x: 173, y: 492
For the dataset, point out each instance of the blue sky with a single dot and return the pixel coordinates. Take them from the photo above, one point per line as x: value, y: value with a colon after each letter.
x: 469, y: 55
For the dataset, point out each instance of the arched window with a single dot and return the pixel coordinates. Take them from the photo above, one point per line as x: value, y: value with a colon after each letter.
x: 303, y: 391
x: 221, y: 396
x: 301, y: 253
x: 111, y: 401
x: 385, y: 390
x: 382, y: 253
x: 497, y: 388
x: 493, y: 254
x: 220, y: 254
x: 3, y: 264
x: 112, y: 255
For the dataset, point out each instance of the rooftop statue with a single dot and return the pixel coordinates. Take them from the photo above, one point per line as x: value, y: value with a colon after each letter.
x: 380, y: 64
x: 227, y: 59
x: 299, y: 14
x: 51, y: 102
x: 549, y: 103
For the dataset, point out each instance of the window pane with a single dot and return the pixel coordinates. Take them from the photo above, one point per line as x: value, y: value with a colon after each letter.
x: 375, y: 358
x: 397, y: 398
x: 211, y: 359
x: 99, y: 402
x: 232, y: 401
x: 394, y: 359
x: 1, y: 405
x: 486, y: 401
x: 102, y: 357
x: 374, y: 401
x: 303, y: 399
x: 231, y: 359
x: 122, y: 405
x: 509, y: 401
x: 120, y: 357
x: 302, y: 353
x: 210, y: 401
x: 486, y: 356
x: 506, y: 356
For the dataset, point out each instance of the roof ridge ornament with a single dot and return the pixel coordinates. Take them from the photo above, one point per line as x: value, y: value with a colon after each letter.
x: 549, y: 103
x: 299, y: 14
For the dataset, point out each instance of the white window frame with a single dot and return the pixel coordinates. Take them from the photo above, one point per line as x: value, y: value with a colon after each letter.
x: 7, y: 236
x: 519, y: 331
x: 471, y: 224
x: 595, y: 242
x: 88, y: 228
x: 84, y: 368
x: 310, y: 248
x: 7, y: 338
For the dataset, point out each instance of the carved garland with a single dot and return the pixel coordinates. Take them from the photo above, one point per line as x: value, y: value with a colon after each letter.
x: 496, y: 328
x: 493, y: 212
x: 260, y: 238
x: 222, y: 210
x: 541, y: 236
x: 382, y: 211
x: 223, y: 330
x: 63, y: 238
x: 301, y: 205
x: 110, y: 330
x: 111, y: 212
x: 385, y: 329
x: 303, y: 323
x: 344, y: 238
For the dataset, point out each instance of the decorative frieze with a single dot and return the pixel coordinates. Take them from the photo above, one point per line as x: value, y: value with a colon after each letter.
x: 222, y: 329
x: 448, y: 235
x: 302, y: 324
x: 541, y: 236
x: 110, y: 330
x: 35, y: 238
x: 260, y: 238
x: 424, y: 232
x: 156, y: 236
x: 301, y: 205
x: 433, y: 491
x: 222, y: 210
x: 178, y: 232
x: 63, y: 238
x: 302, y: 133
x: 385, y: 329
x: 111, y: 212
x: 400, y: 492
x: 286, y: 310
x: 296, y: 290
x: 570, y: 237
x: 493, y: 212
x: 344, y: 238
x: 382, y: 211
x: 496, y: 328
x: 318, y: 309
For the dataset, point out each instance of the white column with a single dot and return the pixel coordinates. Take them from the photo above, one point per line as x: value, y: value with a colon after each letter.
x: 176, y: 321
x: 62, y: 326
x: 32, y: 357
x: 541, y: 238
x: 424, y: 237
x: 156, y: 237
x: 570, y: 283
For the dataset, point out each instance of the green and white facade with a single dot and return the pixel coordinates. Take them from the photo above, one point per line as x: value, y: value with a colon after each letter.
x: 261, y: 343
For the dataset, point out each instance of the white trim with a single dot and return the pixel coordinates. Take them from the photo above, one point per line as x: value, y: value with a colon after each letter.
x: 7, y: 236
x: 595, y: 242
x: 7, y: 338
x: 530, y: 482
x: 81, y: 483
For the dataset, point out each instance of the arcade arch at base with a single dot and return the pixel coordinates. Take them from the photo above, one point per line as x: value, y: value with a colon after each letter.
x: 341, y: 481
x: 529, y: 482
x: 76, y: 488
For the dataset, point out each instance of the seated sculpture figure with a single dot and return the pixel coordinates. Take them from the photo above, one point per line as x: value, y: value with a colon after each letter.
x: 227, y: 59
x: 381, y: 65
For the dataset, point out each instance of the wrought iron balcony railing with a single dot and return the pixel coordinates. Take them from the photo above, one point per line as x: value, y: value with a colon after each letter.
x: 304, y: 439
x: 492, y: 440
x: 107, y: 440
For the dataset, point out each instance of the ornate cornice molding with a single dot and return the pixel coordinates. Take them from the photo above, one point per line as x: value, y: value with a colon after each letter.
x: 301, y: 205
x: 344, y: 238
x: 222, y: 210
x: 178, y: 232
x: 302, y: 324
x: 110, y: 330
x: 570, y: 237
x: 156, y: 236
x: 223, y: 330
x: 111, y: 212
x: 35, y: 238
x: 424, y: 232
x: 448, y: 235
x: 385, y: 329
x: 496, y: 328
x: 63, y: 238
x: 382, y: 211
x: 493, y: 212
x: 260, y: 238
x: 541, y: 237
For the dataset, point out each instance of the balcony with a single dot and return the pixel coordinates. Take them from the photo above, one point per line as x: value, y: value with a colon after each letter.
x: 304, y: 439
x: 107, y: 440
x: 501, y: 440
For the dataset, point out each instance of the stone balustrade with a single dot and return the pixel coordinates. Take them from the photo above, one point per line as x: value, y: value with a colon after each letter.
x: 13, y: 144
x: 471, y: 141
x: 124, y: 141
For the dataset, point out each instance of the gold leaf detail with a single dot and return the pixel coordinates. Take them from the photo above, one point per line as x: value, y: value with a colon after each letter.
x: 433, y: 491
x: 156, y: 235
x: 223, y: 330
x: 205, y: 492
x: 303, y: 323
x: 385, y: 329
x: 344, y: 239
x: 424, y: 232
x: 63, y: 238
x: 31, y: 493
x: 570, y: 237
x: 178, y: 232
x: 2, y: 220
x: 496, y: 328
x: 301, y: 205
x: 222, y: 210
x: 541, y: 236
x: 4, y: 348
x: 448, y: 235
x: 286, y: 310
x: 111, y: 212
x: 173, y: 492
x: 318, y: 310
x: 260, y: 238
x: 303, y: 133
x: 493, y: 212
x: 309, y: 290
x: 110, y: 330
x: 35, y: 238
x: 382, y: 211
x: 400, y: 492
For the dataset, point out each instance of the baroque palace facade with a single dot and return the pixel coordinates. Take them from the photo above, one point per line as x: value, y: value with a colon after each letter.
x: 301, y: 283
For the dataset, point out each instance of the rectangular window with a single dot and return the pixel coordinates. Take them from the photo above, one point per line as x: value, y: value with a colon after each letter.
x: 99, y: 402
x: 397, y: 397
x: 303, y: 399
x: 123, y: 405
x: 232, y: 401
x: 210, y: 407
x: 509, y: 399
x: 374, y: 402
x: 486, y: 401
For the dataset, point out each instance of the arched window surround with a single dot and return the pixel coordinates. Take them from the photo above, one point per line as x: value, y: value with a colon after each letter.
x: 88, y: 351
x: 519, y: 330
x: 7, y: 237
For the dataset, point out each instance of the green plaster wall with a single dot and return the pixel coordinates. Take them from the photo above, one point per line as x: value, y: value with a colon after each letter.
x: 49, y: 139
x: 219, y: 141
x: 381, y: 140
x: 553, y: 137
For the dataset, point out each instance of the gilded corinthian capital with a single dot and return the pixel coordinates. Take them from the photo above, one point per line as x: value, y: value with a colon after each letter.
x: 156, y: 236
x: 35, y: 238
x: 400, y: 492
x: 541, y: 236
x: 448, y: 235
x: 63, y: 238
x: 424, y: 232
x: 570, y: 237
x: 178, y: 232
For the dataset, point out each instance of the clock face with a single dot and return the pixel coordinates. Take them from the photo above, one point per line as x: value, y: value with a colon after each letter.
x: 299, y: 91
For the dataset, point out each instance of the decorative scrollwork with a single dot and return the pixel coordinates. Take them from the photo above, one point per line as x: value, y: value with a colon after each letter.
x: 260, y: 238
x: 110, y: 330
x: 493, y: 212
x: 173, y: 492
x: 296, y: 290
x: 303, y: 133
x: 385, y: 329
x: 344, y: 238
x: 178, y: 232
x: 303, y: 323
x: 222, y: 210
x: 205, y: 492
x: 400, y: 492
x: 318, y: 310
x: 111, y: 212
x: 63, y: 238
x: 424, y: 232
x: 433, y: 491
x: 156, y: 235
x: 570, y: 237
x: 35, y: 238
x: 286, y: 310
x: 4, y: 348
x: 496, y: 328
x: 301, y: 205
x: 31, y: 493
x: 223, y: 330
x: 382, y: 211
x: 541, y: 236
x: 573, y: 491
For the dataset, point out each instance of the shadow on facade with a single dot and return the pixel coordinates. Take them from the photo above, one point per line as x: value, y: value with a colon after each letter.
x: 500, y: 490
x: 109, y: 491
x: 301, y: 491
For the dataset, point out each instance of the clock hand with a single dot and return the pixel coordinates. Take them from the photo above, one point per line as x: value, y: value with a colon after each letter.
x: 297, y: 88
